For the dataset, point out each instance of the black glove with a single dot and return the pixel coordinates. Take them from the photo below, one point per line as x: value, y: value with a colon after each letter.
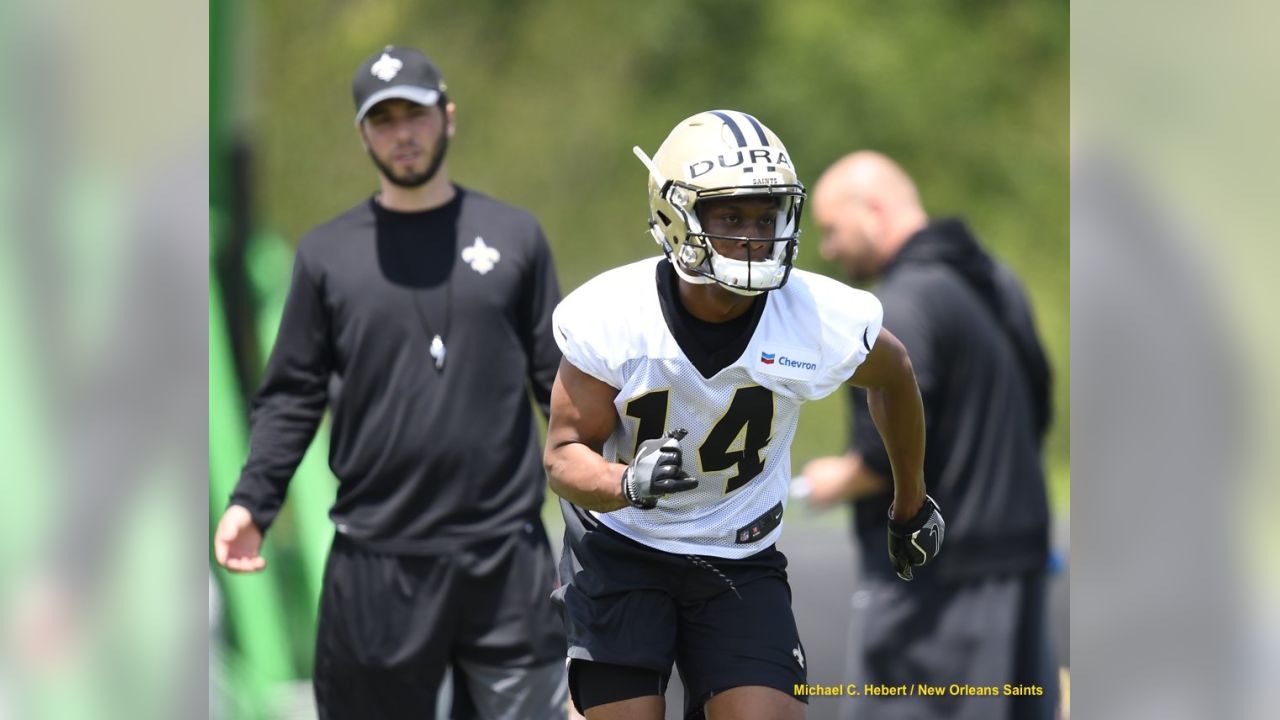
x: 656, y: 472
x: 918, y: 540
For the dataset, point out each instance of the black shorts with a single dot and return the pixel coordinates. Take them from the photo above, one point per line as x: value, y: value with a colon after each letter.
x: 724, y: 623
x: 390, y: 624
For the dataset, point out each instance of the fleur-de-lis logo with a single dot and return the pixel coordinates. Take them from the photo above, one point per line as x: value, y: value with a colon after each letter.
x: 386, y: 67
x: 480, y: 256
x: 798, y: 654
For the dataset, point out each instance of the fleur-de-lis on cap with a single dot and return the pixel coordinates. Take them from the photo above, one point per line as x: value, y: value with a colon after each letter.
x: 386, y: 67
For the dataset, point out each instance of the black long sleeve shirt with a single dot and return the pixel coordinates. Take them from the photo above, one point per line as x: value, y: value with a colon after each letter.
x: 426, y: 459
x: 985, y: 382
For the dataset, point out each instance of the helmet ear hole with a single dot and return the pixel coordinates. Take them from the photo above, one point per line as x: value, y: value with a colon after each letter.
x: 666, y: 221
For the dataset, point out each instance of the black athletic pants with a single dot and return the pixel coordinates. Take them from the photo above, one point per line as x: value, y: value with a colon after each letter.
x: 390, y: 624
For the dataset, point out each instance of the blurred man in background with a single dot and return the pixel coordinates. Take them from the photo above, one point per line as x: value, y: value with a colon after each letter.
x: 430, y: 305
x: 978, y: 619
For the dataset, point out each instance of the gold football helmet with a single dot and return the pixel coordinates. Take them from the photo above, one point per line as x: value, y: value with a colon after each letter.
x: 721, y: 153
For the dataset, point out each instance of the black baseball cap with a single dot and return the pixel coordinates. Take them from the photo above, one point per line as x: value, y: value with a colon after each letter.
x: 396, y: 72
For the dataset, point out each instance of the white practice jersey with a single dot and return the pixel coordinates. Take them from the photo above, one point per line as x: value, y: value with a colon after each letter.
x: 811, y: 336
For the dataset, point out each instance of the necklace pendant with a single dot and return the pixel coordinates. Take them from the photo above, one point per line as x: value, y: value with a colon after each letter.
x: 438, y: 352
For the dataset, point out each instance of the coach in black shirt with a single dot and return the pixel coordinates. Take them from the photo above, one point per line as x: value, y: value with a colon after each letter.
x: 422, y: 318
x: 976, y: 615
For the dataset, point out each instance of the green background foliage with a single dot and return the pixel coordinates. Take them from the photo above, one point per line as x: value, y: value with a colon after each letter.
x: 971, y: 98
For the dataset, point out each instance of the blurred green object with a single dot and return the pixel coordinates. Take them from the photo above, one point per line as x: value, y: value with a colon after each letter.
x: 304, y: 522
x: 24, y: 424
x: 255, y: 610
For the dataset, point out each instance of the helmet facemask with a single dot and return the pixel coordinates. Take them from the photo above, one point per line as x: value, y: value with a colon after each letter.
x: 698, y: 261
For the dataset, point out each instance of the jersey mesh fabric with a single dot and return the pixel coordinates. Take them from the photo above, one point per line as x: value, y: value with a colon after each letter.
x: 704, y: 520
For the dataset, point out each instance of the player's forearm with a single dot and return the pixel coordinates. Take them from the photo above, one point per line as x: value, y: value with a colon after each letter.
x: 582, y: 476
x: 898, y: 413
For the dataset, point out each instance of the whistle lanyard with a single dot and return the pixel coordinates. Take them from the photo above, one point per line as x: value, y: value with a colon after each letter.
x: 437, y: 349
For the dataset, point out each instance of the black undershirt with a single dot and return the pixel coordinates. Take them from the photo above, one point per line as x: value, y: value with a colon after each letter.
x: 710, y: 346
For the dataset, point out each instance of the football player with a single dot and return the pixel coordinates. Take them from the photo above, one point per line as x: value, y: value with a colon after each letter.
x: 671, y: 423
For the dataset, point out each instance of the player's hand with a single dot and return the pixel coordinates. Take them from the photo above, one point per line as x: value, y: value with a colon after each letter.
x: 918, y: 540
x: 656, y: 472
x: 237, y: 542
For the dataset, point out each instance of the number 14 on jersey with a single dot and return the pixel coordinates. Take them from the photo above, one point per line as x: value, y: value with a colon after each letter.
x: 736, y: 440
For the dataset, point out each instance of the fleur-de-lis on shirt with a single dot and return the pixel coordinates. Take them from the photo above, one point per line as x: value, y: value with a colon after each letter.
x: 480, y: 256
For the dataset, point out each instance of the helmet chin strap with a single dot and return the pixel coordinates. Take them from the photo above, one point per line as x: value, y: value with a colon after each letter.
x: 713, y: 278
x: 756, y: 282
x: 742, y: 291
x: 690, y: 277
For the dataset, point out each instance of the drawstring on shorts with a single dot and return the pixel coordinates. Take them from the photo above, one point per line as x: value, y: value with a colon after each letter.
x: 699, y: 562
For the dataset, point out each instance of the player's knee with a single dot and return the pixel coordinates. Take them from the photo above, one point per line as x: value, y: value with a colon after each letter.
x: 754, y: 702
